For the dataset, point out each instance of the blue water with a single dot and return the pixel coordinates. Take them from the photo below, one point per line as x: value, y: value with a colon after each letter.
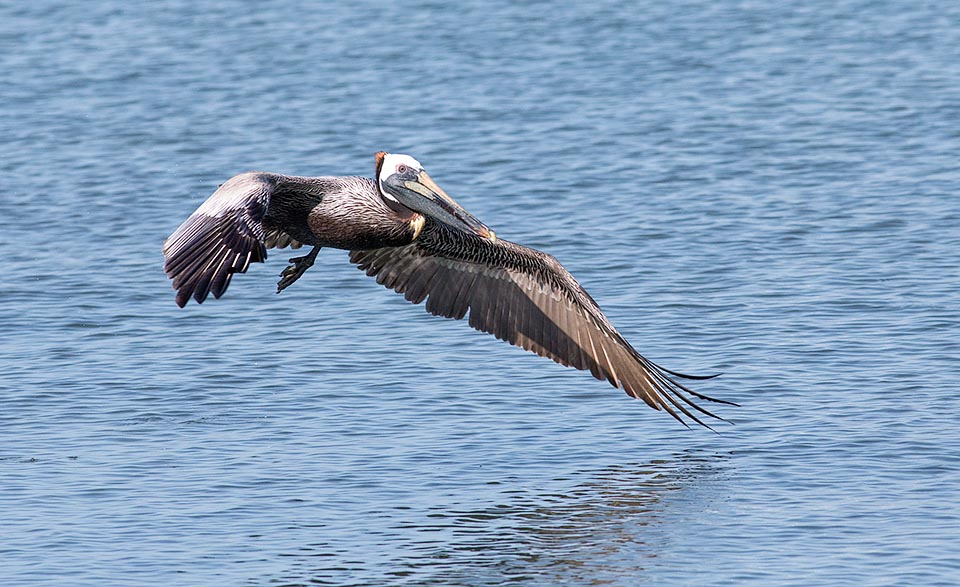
x: 768, y: 191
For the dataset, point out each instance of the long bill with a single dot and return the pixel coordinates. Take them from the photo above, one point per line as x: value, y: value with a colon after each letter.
x: 421, y: 194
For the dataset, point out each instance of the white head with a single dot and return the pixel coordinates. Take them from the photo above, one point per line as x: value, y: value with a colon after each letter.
x: 406, y: 186
x: 395, y: 163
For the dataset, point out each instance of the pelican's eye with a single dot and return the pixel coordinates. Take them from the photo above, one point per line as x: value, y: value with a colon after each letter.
x: 401, y: 168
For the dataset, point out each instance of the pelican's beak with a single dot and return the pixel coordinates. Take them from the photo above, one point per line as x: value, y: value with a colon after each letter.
x: 417, y: 191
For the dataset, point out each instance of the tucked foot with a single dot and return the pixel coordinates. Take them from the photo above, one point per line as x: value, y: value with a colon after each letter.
x: 298, y: 268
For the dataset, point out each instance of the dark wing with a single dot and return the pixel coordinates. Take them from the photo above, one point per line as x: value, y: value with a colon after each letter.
x: 223, y: 237
x: 527, y: 298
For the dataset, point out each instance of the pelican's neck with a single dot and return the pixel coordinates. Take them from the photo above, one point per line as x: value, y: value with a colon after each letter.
x: 417, y: 225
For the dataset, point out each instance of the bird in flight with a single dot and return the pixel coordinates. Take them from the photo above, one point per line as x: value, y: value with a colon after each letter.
x: 404, y: 230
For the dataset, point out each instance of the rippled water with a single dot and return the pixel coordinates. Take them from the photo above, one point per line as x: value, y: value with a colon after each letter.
x: 766, y: 191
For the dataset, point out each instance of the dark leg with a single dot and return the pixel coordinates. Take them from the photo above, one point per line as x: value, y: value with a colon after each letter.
x: 293, y: 272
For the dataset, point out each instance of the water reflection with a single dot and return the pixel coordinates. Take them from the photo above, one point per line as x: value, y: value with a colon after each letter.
x: 605, y: 529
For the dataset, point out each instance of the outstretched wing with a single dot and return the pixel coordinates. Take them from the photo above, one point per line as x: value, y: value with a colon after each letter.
x: 527, y: 298
x: 225, y: 234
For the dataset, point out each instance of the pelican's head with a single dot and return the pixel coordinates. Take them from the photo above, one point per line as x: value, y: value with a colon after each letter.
x: 403, y: 181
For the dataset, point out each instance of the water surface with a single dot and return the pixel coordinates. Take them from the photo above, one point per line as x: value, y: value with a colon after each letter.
x: 769, y: 192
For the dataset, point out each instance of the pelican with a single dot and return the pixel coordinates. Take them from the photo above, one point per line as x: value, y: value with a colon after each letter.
x: 404, y: 230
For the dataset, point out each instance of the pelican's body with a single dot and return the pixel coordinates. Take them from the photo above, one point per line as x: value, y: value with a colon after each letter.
x: 404, y: 230
x: 255, y: 211
x: 340, y: 212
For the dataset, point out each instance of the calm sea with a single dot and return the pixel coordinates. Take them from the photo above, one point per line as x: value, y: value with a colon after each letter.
x: 769, y: 191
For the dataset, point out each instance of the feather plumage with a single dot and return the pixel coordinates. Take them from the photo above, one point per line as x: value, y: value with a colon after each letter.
x: 527, y: 298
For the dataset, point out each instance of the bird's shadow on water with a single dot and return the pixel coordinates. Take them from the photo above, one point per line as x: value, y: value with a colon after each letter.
x: 607, y: 526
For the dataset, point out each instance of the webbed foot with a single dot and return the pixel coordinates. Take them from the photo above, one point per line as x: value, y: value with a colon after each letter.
x: 298, y: 268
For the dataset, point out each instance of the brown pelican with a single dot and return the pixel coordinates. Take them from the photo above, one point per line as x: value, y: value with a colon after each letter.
x: 405, y: 231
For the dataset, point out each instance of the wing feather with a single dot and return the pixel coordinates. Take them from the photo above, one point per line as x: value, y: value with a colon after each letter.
x: 222, y: 237
x: 527, y: 298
